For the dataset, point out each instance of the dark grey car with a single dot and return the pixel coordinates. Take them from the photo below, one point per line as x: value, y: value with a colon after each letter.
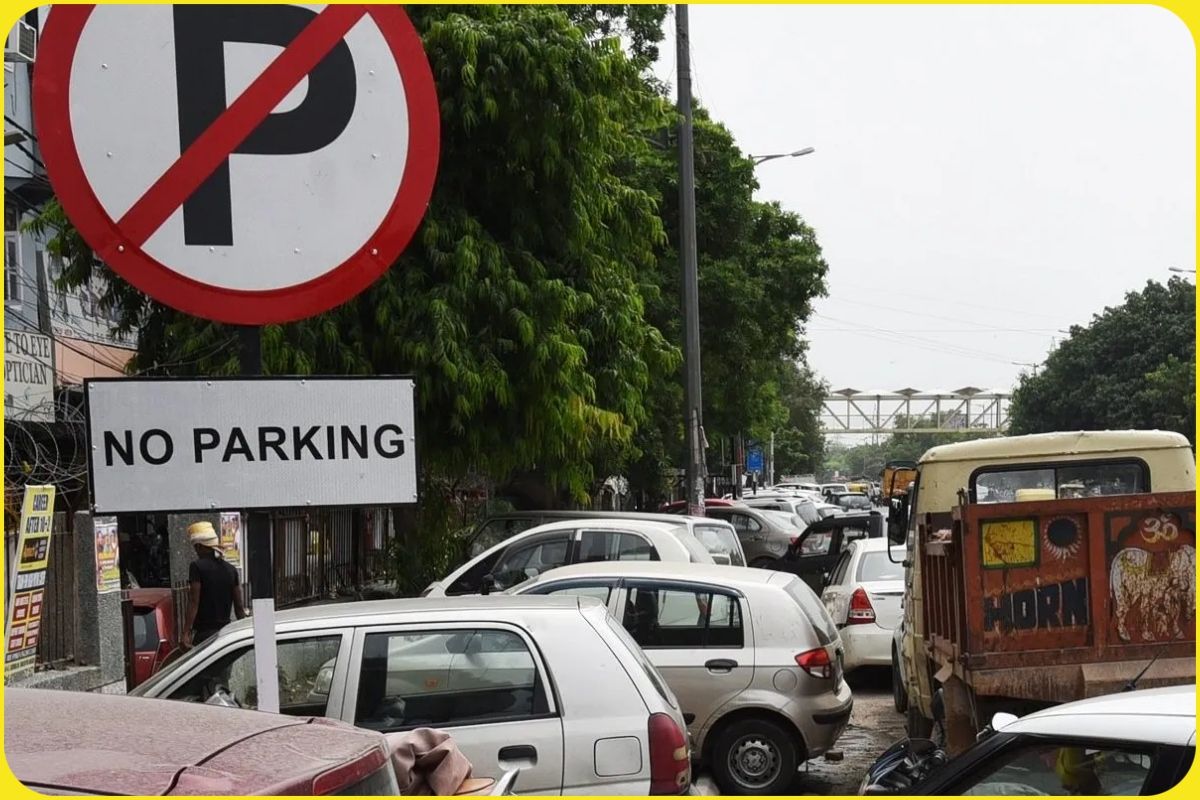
x: 766, y: 535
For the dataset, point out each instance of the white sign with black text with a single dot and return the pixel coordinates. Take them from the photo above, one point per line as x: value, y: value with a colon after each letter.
x: 28, y: 377
x: 176, y: 445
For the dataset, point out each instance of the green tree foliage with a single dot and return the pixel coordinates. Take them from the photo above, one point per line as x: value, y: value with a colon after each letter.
x: 519, y: 306
x: 800, y: 445
x: 1133, y: 366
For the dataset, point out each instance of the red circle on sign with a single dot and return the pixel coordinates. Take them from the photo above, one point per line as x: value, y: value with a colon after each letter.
x: 52, y: 102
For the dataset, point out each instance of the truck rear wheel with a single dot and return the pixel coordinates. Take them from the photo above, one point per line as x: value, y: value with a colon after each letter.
x: 899, y: 692
x: 916, y: 724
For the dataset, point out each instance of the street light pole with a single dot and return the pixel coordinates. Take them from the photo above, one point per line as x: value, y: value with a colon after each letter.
x: 795, y: 154
x: 693, y: 419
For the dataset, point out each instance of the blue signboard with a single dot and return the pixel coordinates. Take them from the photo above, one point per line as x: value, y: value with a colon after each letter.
x: 754, y: 460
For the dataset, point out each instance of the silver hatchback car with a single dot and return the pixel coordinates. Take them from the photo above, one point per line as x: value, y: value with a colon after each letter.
x: 552, y: 685
x: 751, y: 654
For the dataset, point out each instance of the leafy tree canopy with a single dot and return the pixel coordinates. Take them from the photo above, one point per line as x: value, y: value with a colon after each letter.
x: 1133, y: 366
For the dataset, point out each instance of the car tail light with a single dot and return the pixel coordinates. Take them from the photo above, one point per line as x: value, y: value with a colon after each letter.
x: 347, y: 775
x: 670, y: 761
x: 816, y: 663
x: 861, y: 611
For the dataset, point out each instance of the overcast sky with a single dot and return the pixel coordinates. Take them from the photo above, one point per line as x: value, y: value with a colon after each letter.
x: 983, y: 176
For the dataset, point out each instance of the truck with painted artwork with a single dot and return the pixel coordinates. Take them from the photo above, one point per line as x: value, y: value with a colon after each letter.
x: 1044, y: 569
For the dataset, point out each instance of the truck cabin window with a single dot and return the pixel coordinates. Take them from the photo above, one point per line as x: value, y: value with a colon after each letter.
x: 1059, y: 482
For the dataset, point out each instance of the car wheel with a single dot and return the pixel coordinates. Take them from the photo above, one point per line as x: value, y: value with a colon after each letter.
x: 763, y: 563
x: 899, y: 693
x: 755, y: 756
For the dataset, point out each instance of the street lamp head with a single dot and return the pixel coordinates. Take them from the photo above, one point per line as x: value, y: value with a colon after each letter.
x: 804, y: 152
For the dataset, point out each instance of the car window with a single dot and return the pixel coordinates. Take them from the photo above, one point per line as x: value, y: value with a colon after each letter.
x: 879, y: 567
x: 450, y: 677
x: 1061, y: 481
x: 1062, y: 769
x: 471, y: 581
x: 839, y: 573
x: 634, y: 650
x: 717, y: 539
x: 601, y: 593
x: 744, y: 523
x: 816, y: 543
x: 814, y: 609
x: 615, y: 546
x: 530, y: 559
x: 497, y: 530
x: 659, y: 617
x: 305, y: 668
x: 145, y: 629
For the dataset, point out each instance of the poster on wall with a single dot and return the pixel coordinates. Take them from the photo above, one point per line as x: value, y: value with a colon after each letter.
x: 24, y: 620
x: 108, y: 559
x: 231, y: 538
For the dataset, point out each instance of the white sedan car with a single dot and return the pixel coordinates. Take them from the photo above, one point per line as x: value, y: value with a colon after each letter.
x: 1130, y: 743
x: 571, y: 541
x: 863, y: 597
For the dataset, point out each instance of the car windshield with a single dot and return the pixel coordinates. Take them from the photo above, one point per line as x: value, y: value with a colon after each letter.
x: 165, y: 674
x: 854, y: 501
x: 879, y: 567
x: 718, y: 539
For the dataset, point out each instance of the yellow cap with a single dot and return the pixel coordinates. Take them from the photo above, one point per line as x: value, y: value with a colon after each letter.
x: 203, y: 533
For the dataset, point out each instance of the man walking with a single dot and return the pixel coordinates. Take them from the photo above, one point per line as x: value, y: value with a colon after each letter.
x: 213, y: 588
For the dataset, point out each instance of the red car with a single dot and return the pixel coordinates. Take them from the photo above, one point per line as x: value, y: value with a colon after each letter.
x: 155, y: 640
x: 75, y: 743
x: 680, y: 506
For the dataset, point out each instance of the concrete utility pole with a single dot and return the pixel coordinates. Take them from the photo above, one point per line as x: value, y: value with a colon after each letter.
x: 693, y: 419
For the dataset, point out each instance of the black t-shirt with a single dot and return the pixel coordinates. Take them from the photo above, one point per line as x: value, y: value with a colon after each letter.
x: 217, y: 579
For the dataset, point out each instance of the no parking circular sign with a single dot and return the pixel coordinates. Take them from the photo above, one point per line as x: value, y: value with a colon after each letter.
x: 248, y: 164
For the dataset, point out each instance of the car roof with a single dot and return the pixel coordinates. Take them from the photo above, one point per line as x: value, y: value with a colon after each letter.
x: 1053, y: 444
x: 668, y: 524
x: 735, y: 577
x: 467, y: 604
x: 1166, y: 715
x: 115, y: 744
x: 875, y: 545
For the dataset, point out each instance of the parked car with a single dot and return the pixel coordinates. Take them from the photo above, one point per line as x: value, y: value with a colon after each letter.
x: 829, y: 488
x: 751, y: 654
x: 498, y: 528
x: 681, y: 506
x: 72, y: 743
x: 802, y: 507
x: 155, y: 640
x: 553, y: 684
x: 798, y: 487
x: 566, y: 542
x: 815, y: 552
x: 863, y: 597
x: 765, y: 534
x: 1131, y: 743
x: 851, y: 501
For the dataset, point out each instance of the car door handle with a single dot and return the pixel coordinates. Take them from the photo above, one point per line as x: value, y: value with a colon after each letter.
x: 518, y: 752
x: 720, y: 665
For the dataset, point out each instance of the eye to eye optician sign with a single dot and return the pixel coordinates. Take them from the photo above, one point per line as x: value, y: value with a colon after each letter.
x: 175, y: 445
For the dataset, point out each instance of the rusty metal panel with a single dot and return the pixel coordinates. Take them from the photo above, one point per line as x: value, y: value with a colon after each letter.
x: 1080, y: 580
x: 1151, y: 570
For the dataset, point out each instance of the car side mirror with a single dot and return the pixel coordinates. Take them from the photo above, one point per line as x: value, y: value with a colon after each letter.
x: 488, y: 584
x: 897, y: 526
x: 722, y: 559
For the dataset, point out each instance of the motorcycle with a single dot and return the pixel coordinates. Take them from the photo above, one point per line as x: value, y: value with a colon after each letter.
x: 902, y: 766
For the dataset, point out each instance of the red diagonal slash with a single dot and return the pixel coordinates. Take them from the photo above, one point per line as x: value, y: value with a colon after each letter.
x: 238, y: 121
